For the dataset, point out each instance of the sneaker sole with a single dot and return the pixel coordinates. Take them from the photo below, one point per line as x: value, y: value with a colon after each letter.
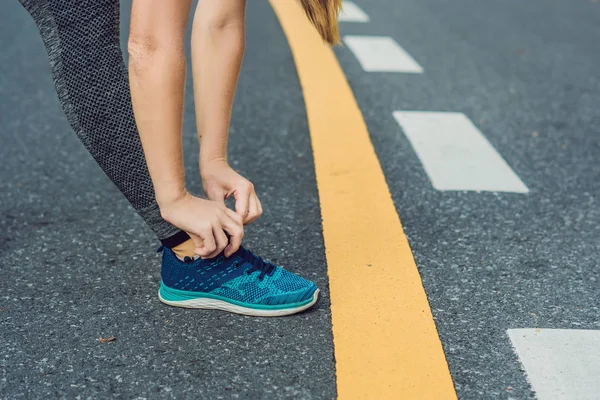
x: 215, y: 304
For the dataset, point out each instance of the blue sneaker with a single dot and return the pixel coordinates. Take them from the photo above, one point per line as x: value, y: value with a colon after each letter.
x: 242, y: 283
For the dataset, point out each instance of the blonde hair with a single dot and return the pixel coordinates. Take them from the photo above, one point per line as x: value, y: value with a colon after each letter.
x: 324, y: 16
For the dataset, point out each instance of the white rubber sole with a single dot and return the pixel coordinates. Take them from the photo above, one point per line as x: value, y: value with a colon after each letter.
x: 213, y: 304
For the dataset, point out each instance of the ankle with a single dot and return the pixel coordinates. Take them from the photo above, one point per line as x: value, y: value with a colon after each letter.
x: 185, y: 249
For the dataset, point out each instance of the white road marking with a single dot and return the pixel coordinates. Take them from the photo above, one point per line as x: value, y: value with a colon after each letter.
x: 381, y: 54
x: 352, y: 13
x: 455, y: 154
x: 561, y: 364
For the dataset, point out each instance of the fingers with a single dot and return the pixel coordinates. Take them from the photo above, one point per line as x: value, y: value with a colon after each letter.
x: 221, y: 241
x: 212, y: 238
x: 234, y: 216
x: 209, y: 246
x: 242, y: 201
x: 260, y: 209
x: 208, y: 223
x: 247, y: 204
x: 255, y: 209
x: 198, y: 242
x: 232, y: 224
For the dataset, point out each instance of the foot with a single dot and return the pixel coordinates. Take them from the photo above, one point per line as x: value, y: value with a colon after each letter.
x: 242, y: 283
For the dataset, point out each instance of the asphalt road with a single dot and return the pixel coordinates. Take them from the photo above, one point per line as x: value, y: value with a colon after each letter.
x: 77, y: 263
x: 494, y: 261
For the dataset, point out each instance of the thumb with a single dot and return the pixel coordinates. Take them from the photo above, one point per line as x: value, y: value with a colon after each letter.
x: 242, y: 203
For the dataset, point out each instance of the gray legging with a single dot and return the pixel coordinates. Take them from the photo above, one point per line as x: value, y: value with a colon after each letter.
x: 82, y: 40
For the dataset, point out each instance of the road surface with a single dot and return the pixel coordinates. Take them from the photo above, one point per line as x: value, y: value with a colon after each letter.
x: 484, y: 117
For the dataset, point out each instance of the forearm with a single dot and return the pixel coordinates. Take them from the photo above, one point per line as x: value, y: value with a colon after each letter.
x: 157, y: 96
x: 217, y: 51
x: 157, y: 76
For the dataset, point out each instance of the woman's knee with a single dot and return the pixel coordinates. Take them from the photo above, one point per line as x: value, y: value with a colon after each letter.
x: 157, y: 27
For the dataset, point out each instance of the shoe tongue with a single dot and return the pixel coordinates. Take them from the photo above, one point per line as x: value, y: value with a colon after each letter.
x: 249, y: 258
x: 245, y: 255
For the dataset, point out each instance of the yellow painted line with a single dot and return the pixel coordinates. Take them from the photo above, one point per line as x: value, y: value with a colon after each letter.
x: 385, y: 339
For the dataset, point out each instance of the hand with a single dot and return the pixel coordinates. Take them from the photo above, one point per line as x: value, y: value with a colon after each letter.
x: 207, y: 222
x: 220, y: 181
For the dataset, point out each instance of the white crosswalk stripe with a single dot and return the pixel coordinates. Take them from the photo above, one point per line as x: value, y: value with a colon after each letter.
x: 561, y: 364
x: 455, y: 154
x: 352, y: 13
x: 381, y: 54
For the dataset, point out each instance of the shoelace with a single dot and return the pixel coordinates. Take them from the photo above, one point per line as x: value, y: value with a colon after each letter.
x: 258, y: 264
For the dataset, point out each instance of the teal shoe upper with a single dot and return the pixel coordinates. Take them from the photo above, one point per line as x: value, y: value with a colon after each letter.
x: 242, y: 278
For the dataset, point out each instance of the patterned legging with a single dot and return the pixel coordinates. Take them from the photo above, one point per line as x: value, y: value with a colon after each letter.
x: 82, y: 40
